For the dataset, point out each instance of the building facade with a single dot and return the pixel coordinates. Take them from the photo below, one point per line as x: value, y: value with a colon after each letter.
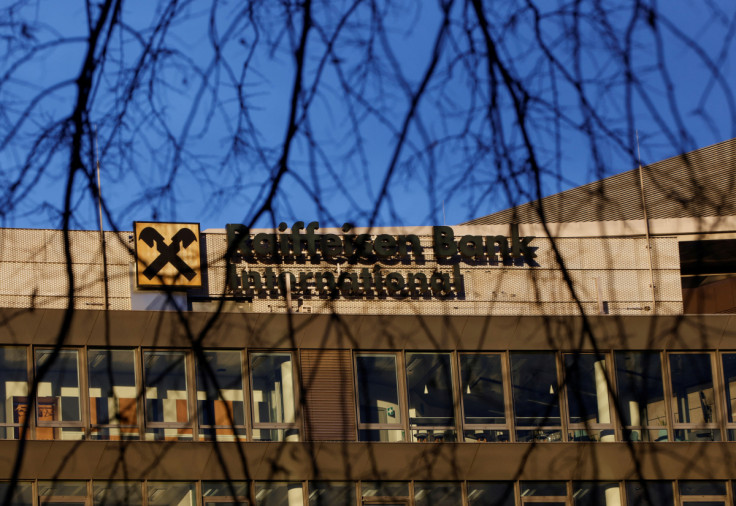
x: 587, y: 359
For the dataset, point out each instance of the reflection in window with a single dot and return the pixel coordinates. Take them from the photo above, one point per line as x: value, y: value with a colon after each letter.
x: 641, y: 396
x: 649, y: 493
x: 273, y: 397
x: 62, y: 493
x: 596, y: 493
x: 536, y: 396
x: 384, y: 489
x: 112, y: 394
x: 427, y: 493
x: 278, y: 494
x: 729, y: 377
x: 331, y: 493
x: 58, y: 395
x: 225, y: 493
x: 167, y: 406
x: 491, y: 494
x: 483, y: 398
x: 22, y: 495
x: 220, y: 396
x: 378, y: 398
x: 13, y: 391
x: 703, y: 493
x: 587, y: 398
x: 116, y: 493
x: 431, y: 409
x: 168, y: 493
x: 693, y: 400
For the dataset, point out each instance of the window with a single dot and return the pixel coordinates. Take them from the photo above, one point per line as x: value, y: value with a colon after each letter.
x: 62, y: 493
x: 117, y: 493
x: 729, y: 380
x: 331, y: 493
x: 274, y: 399
x: 22, y: 495
x: 13, y: 391
x: 113, y: 404
x: 536, y: 397
x: 388, y: 493
x: 427, y: 493
x: 595, y: 493
x: 220, y: 400
x: 491, y: 494
x: 588, y: 402
x: 431, y: 406
x: 58, y: 405
x: 168, y: 493
x: 167, y: 396
x: 278, y: 493
x: 483, y: 398
x: 703, y: 493
x: 225, y: 493
x: 641, y: 396
x: 693, y: 398
x: 547, y: 493
x: 649, y: 493
x: 379, y: 413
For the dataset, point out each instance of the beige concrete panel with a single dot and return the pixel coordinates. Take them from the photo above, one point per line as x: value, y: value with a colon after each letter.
x: 22, y: 245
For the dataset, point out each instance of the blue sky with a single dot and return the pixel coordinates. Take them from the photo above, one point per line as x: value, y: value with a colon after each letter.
x: 332, y: 178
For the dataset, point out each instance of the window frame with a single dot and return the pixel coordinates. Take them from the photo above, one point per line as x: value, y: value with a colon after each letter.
x: 508, y: 427
x: 295, y: 369
x: 673, y: 423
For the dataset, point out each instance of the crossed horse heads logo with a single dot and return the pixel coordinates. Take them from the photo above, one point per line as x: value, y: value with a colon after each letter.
x: 168, y: 253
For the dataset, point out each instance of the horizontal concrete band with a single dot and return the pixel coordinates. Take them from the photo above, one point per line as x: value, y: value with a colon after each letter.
x: 376, y: 332
x: 99, y: 460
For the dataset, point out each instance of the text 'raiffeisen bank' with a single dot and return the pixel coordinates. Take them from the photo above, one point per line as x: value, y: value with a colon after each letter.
x: 363, y: 261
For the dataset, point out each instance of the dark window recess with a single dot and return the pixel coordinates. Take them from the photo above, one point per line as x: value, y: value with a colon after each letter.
x: 708, y: 270
x: 329, y: 399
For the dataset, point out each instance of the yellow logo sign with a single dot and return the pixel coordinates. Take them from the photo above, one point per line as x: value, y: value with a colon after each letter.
x: 167, y: 254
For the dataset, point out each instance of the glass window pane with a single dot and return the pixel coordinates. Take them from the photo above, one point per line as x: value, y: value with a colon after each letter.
x: 649, y: 493
x: 331, y: 493
x: 535, y: 389
x: 702, y: 487
x: 58, y: 391
x: 640, y: 391
x: 594, y: 493
x: 587, y: 389
x: 220, y: 392
x: 543, y: 488
x: 384, y: 489
x: 273, y: 388
x: 218, y: 493
x: 482, y: 389
x: 278, y: 493
x: 166, y: 386
x: 22, y: 495
x: 729, y: 376
x: 112, y: 393
x: 168, y: 493
x: 117, y: 493
x: 692, y: 388
x: 437, y: 494
x: 62, y: 493
x: 429, y: 381
x: 491, y: 494
x: 13, y: 389
x: 378, y: 392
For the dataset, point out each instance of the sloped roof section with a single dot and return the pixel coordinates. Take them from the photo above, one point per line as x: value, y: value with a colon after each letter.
x: 695, y: 184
